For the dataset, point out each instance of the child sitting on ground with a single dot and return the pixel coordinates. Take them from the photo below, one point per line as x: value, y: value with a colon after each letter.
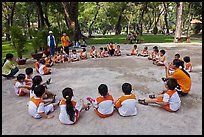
x: 153, y: 54
x: 111, y: 48
x: 117, y: 51
x: 70, y: 109
x: 36, y: 106
x: 37, y: 80
x: 144, y: 52
x: 170, y: 100
x: 37, y: 65
x: 187, y: 64
x: 126, y: 104
x: 176, y: 56
x: 83, y: 54
x: 43, y: 69
x: 21, y: 89
x: 134, y: 50
x: 48, y: 61
x: 100, y: 53
x: 65, y: 56
x: 105, y: 52
x: 58, y: 58
x: 103, y: 105
x: 28, y: 76
x: 162, y: 59
x: 93, y: 52
x: 74, y: 56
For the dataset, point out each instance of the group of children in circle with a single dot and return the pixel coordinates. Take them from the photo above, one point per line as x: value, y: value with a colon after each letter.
x: 43, y: 101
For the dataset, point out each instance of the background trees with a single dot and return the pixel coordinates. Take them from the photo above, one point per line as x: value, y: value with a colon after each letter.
x: 81, y: 19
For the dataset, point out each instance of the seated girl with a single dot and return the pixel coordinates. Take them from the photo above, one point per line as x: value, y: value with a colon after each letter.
x: 43, y: 69
x: 117, y: 51
x: 74, y: 56
x: 83, y: 54
x: 105, y: 52
x: 144, y: 52
x: 93, y: 52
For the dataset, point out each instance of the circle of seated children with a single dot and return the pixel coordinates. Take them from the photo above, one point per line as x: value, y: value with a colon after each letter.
x: 43, y: 101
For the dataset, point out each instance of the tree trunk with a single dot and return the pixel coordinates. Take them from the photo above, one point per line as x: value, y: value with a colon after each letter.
x: 178, y: 21
x: 90, y: 26
x: 12, y: 12
x: 72, y: 18
x: 118, y: 25
x: 165, y: 18
x: 189, y: 17
x: 141, y: 17
x: 46, y: 15
x: 28, y: 22
x: 40, y: 15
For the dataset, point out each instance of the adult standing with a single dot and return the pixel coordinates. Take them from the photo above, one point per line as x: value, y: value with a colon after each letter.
x: 182, y: 77
x: 51, y: 43
x: 9, y: 67
x: 65, y: 43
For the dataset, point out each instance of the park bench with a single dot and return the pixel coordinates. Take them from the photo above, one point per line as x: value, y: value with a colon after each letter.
x: 182, y: 38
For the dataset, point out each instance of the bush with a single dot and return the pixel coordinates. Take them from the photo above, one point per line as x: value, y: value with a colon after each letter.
x: 197, y: 28
x: 18, y: 40
x: 155, y: 30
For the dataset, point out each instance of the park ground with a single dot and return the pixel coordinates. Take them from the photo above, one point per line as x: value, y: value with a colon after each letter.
x: 84, y: 77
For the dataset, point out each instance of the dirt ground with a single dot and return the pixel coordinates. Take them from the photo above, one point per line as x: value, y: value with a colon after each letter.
x: 84, y: 77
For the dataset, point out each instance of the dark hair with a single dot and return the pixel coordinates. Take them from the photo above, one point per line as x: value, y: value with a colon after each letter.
x: 172, y: 83
x: 187, y: 59
x: 135, y: 46
x: 177, y: 55
x: 155, y: 47
x: 101, y: 48
x: 106, y: 49
x: 127, y: 88
x: 84, y: 49
x: 118, y: 46
x: 28, y: 71
x: 67, y: 94
x: 36, y: 81
x: 74, y: 50
x: 39, y: 90
x: 146, y: 48
x: 42, y: 61
x: 178, y: 63
x: 21, y: 76
x: 156, y: 50
x: 92, y: 46
x: 163, y: 51
x: 9, y: 56
x: 103, y: 90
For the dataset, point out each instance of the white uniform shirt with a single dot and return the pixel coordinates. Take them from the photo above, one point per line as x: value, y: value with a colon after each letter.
x: 63, y: 116
x: 174, y: 100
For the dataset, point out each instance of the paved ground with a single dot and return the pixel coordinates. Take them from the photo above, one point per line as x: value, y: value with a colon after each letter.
x: 85, y: 77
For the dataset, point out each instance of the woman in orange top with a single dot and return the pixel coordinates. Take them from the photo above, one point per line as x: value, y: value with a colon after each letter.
x: 182, y: 77
x: 65, y: 43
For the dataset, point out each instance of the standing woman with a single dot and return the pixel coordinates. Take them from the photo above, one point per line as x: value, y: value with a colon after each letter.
x: 65, y: 43
x: 51, y: 43
x: 9, y: 69
x: 182, y: 77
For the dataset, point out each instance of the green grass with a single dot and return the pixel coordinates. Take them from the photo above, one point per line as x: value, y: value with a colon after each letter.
x: 8, y: 48
x: 101, y: 39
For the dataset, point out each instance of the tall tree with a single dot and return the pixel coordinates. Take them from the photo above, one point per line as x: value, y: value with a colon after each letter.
x: 118, y: 25
x: 72, y: 18
x: 165, y: 4
x: 97, y: 11
x: 179, y: 8
x: 41, y: 23
x: 143, y: 9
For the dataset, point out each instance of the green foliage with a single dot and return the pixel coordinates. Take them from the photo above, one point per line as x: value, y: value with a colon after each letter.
x: 197, y: 28
x: 155, y: 30
x: 18, y: 39
x: 39, y: 40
